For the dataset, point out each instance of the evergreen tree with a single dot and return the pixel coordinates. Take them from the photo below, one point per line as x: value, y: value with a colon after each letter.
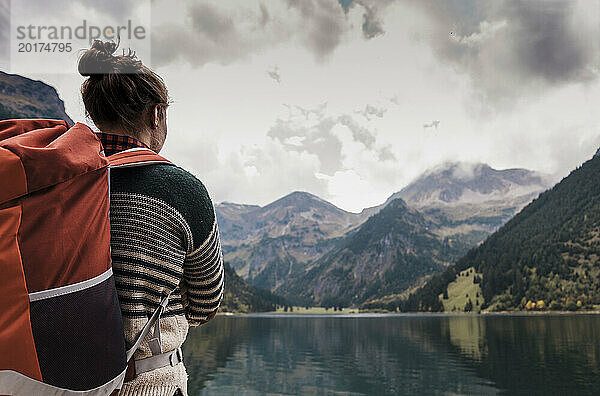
x: 468, y: 306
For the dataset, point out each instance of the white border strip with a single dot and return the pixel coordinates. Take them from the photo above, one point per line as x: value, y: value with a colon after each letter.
x: 75, y: 287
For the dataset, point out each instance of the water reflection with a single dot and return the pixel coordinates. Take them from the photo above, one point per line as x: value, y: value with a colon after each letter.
x: 556, y: 354
x: 400, y: 354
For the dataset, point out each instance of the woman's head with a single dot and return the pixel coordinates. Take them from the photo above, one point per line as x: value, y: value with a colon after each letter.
x: 123, y: 96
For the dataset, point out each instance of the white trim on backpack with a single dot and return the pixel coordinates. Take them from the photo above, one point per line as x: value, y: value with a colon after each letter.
x: 75, y: 287
x: 139, y: 164
x: 136, y: 149
x: 17, y: 384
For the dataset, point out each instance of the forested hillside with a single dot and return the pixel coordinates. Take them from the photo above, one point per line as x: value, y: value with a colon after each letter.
x: 239, y: 296
x: 546, y: 257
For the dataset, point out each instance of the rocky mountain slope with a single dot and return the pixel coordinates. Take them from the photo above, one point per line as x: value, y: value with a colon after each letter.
x: 267, y: 245
x: 21, y: 97
x: 546, y: 257
x: 387, y: 254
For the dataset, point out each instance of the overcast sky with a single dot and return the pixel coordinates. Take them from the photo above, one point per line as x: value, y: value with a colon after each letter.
x: 342, y: 98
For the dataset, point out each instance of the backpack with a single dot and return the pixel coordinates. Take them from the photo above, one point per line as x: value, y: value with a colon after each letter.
x: 61, y: 330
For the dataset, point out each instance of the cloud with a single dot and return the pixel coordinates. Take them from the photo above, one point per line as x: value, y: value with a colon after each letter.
x: 274, y: 74
x: 213, y: 32
x: 250, y: 173
x: 211, y: 23
x: 263, y: 174
x: 324, y: 24
x: 432, y: 124
x: 465, y: 171
x: 309, y: 130
x: 372, y: 25
x: 265, y: 17
x: 372, y: 21
x: 310, y: 150
x: 512, y: 48
x: 359, y: 133
x: 207, y: 32
x: 117, y: 9
x: 228, y: 32
x: 314, y: 131
x: 120, y: 10
x: 553, y: 48
x: 486, y: 32
x: 386, y: 154
x: 371, y: 110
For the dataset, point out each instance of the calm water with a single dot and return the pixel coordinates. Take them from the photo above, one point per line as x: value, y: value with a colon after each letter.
x: 395, y: 354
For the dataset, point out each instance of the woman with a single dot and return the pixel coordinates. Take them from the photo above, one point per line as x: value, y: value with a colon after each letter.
x: 164, y: 235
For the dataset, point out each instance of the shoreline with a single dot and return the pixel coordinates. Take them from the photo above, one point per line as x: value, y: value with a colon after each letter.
x: 371, y: 314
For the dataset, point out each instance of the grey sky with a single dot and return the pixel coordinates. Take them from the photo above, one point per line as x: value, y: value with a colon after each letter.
x: 513, y: 84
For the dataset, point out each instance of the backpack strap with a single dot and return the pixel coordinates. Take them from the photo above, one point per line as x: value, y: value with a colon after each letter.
x: 140, y: 156
x: 136, y: 156
x: 171, y: 358
x: 146, y: 329
x: 158, y: 358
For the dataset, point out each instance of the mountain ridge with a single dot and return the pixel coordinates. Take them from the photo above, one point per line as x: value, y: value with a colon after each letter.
x: 22, y: 97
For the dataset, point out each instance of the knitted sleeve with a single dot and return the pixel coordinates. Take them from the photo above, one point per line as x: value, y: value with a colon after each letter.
x: 202, y: 284
x: 203, y: 274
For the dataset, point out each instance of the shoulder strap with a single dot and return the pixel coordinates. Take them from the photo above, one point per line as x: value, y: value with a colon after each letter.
x: 140, y: 156
x: 136, y: 157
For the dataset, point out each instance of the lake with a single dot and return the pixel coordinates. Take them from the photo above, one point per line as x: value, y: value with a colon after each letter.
x: 395, y: 354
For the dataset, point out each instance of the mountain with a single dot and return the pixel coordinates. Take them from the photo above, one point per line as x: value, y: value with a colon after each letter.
x: 548, y: 253
x: 240, y: 222
x: 239, y: 296
x: 472, y: 200
x: 21, y: 97
x: 275, y: 246
x: 387, y: 254
x: 267, y: 245
x: 232, y: 221
x: 464, y: 183
x: 456, y: 193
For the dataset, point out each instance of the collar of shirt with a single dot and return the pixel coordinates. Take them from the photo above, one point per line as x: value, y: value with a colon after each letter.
x: 113, y: 143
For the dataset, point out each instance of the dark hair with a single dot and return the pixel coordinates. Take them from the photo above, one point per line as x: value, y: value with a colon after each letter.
x: 120, y: 91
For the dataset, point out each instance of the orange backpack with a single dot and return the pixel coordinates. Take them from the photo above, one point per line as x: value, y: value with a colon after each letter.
x: 61, y: 331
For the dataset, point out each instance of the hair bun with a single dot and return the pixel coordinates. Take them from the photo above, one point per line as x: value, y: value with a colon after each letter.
x: 100, y: 60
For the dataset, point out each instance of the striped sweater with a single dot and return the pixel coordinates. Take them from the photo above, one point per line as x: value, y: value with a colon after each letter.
x: 164, y: 239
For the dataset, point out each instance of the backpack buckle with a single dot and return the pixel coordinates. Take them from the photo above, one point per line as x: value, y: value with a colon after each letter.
x: 176, y: 357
